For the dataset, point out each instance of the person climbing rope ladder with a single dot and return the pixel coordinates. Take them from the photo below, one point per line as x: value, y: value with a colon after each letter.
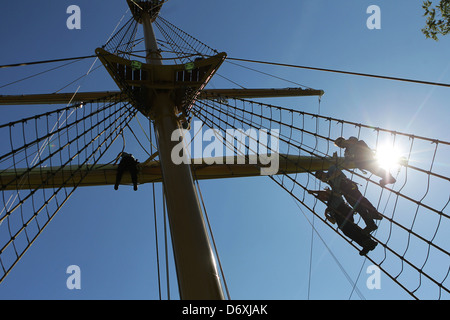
x: 130, y: 164
x: 340, y: 184
x: 358, y: 152
x: 339, y: 212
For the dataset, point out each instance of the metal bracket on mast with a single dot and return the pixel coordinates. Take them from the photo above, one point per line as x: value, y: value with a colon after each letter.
x: 183, y: 82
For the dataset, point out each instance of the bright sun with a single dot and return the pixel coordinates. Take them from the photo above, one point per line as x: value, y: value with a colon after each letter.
x: 388, y: 157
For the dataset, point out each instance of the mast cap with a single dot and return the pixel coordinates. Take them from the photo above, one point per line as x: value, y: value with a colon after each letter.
x: 139, y: 8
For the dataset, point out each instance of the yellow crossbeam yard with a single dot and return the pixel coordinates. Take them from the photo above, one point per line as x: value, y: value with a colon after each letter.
x: 105, y: 96
x: 100, y: 175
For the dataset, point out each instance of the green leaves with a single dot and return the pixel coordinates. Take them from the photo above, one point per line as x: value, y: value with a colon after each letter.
x: 438, y: 19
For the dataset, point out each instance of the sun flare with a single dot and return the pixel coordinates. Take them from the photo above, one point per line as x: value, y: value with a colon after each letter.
x: 388, y: 157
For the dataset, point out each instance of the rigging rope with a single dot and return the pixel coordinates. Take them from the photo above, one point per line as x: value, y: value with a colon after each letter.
x: 81, y: 141
x: 342, y: 72
x: 341, y: 267
x: 298, y: 134
x: 411, y: 236
x: 182, y: 43
x: 122, y: 42
x: 203, y: 50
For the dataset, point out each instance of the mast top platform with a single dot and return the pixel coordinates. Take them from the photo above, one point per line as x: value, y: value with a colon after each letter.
x: 140, y: 8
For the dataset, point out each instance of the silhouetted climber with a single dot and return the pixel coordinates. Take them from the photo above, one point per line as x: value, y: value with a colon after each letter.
x: 358, y: 152
x: 339, y: 212
x: 127, y: 163
x: 349, y: 189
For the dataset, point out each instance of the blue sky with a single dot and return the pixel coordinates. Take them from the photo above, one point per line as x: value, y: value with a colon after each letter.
x: 263, y: 238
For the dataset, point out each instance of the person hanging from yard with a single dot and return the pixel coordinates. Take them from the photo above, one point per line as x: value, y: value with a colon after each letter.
x: 358, y: 152
x: 130, y: 164
x: 339, y: 212
x: 340, y: 184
